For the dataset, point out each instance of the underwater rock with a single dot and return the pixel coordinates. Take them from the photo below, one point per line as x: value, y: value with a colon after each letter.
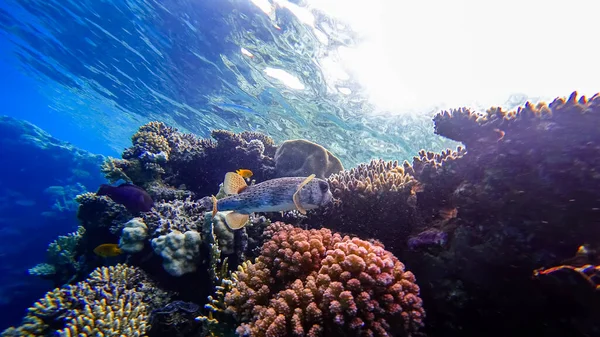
x: 134, y: 236
x: 301, y: 158
x: 180, y: 251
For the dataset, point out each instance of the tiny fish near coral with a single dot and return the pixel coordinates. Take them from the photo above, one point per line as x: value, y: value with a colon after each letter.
x: 134, y: 198
x: 275, y: 195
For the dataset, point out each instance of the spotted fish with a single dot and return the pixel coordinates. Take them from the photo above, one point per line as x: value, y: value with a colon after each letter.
x: 275, y: 195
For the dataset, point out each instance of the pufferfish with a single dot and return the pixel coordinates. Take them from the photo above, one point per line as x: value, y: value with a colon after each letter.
x: 275, y: 195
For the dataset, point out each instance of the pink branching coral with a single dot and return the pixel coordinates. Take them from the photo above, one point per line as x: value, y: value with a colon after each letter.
x: 317, y: 283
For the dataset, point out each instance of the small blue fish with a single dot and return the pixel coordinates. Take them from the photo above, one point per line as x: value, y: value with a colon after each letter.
x: 134, y: 198
x: 275, y: 195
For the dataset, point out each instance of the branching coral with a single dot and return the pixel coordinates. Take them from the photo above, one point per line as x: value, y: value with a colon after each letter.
x: 62, y: 263
x: 161, y: 153
x: 378, y: 198
x: 113, y: 301
x: 316, y: 283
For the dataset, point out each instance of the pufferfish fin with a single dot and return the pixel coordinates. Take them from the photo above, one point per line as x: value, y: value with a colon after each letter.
x: 214, y: 202
x: 234, y: 183
x: 236, y: 220
x: 296, y: 197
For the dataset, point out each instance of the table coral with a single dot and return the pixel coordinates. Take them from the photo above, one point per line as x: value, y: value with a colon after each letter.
x: 113, y: 301
x: 317, y: 283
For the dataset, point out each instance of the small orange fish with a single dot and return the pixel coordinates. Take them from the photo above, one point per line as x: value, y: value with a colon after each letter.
x: 108, y: 250
x: 244, y: 173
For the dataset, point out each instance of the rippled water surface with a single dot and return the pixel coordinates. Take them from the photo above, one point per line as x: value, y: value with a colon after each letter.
x: 109, y: 66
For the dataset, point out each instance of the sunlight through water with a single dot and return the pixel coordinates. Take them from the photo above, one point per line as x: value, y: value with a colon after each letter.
x: 418, y: 54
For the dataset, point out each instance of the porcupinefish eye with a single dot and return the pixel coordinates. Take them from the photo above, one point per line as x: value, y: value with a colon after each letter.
x: 324, y: 186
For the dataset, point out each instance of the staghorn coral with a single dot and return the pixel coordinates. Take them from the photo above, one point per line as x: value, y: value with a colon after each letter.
x: 62, y: 264
x: 113, y: 301
x: 301, y: 158
x: 316, y: 283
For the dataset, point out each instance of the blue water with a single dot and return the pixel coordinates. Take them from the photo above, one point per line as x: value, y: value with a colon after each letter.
x: 89, y: 73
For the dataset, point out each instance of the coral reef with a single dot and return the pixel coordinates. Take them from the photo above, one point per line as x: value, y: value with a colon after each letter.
x: 470, y: 224
x: 135, y: 233
x: 62, y: 264
x: 97, y: 212
x: 377, y: 199
x: 317, y: 283
x: 301, y: 158
x: 113, y: 301
x: 39, y: 176
x: 180, y: 251
x: 473, y: 223
x: 161, y: 153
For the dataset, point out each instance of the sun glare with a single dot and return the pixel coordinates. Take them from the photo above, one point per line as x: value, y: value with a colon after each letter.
x: 447, y: 53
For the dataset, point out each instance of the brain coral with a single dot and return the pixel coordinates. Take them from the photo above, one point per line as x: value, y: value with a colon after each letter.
x: 113, y: 301
x: 316, y: 283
